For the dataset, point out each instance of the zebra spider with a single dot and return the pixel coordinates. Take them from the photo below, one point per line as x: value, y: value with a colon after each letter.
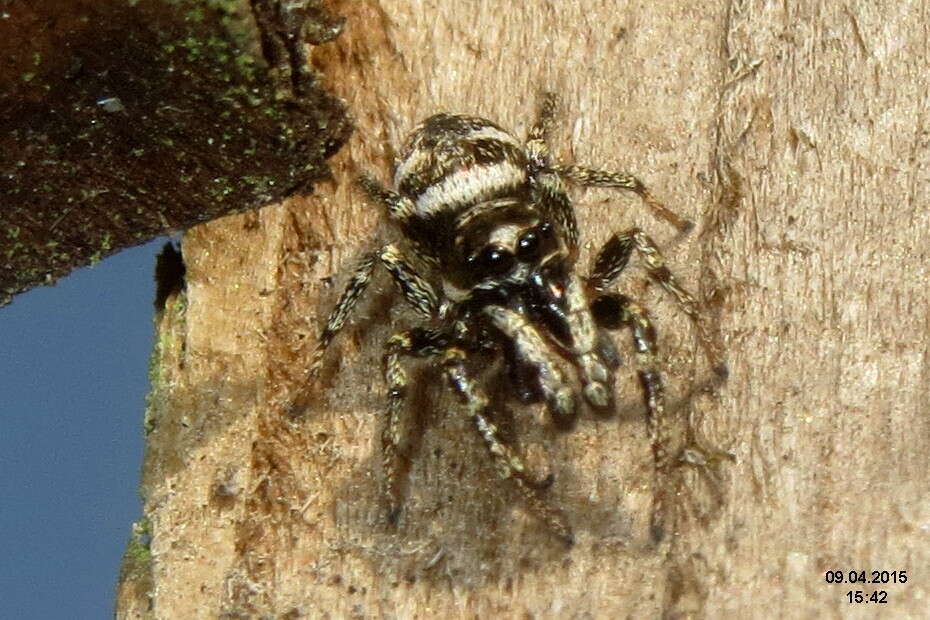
x: 490, y: 220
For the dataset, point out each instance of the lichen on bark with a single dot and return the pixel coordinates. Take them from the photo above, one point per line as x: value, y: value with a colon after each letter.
x: 121, y: 121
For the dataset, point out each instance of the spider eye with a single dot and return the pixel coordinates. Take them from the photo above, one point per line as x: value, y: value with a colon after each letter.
x: 493, y: 260
x: 528, y: 245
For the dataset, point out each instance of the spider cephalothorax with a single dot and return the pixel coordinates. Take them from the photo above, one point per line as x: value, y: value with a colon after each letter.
x: 490, y: 220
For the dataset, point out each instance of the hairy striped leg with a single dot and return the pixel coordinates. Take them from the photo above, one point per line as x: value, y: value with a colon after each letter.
x: 613, y: 258
x: 415, y: 289
x: 417, y: 342
x: 548, y: 176
x: 547, y: 187
x: 615, y: 311
x: 418, y: 292
x: 537, y: 139
x: 509, y: 464
x: 588, y: 177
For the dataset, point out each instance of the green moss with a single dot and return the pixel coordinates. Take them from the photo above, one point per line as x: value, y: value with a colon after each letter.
x: 169, y: 124
x: 259, y: 184
x: 140, y: 541
x: 195, y: 15
x: 246, y: 66
x: 166, y: 340
x: 137, y: 559
x: 221, y: 189
x: 180, y: 305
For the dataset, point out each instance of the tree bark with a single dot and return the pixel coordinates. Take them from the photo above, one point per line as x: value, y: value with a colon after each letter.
x: 795, y: 136
x: 121, y: 121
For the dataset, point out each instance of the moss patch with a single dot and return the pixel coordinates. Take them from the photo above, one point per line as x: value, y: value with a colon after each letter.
x: 121, y: 121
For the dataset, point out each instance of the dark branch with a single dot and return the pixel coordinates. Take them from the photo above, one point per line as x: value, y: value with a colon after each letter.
x: 121, y: 121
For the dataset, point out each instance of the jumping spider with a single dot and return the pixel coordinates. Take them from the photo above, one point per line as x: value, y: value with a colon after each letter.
x: 490, y: 219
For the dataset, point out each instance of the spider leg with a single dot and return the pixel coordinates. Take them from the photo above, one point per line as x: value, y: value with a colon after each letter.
x: 399, y: 208
x: 537, y: 138
x: 610, y: 261
x: 359, y: 281
x: 613, y: 258
x: 415, y: 289
x: 546, y: 184
x: 532, y: 351
x: 548, y: 191
x: 418, y: 292
x: 616, y: 311
x: 509, y: 464
x: 416, y: 342
x: 589, y: 177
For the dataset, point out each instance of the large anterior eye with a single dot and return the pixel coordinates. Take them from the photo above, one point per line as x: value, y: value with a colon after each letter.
x: 491, y: 261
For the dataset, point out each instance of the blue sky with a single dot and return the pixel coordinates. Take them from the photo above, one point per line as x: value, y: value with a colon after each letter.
x: 73, y: 379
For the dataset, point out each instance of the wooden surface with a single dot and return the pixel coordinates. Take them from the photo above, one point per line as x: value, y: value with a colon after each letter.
x: 795, y: 137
